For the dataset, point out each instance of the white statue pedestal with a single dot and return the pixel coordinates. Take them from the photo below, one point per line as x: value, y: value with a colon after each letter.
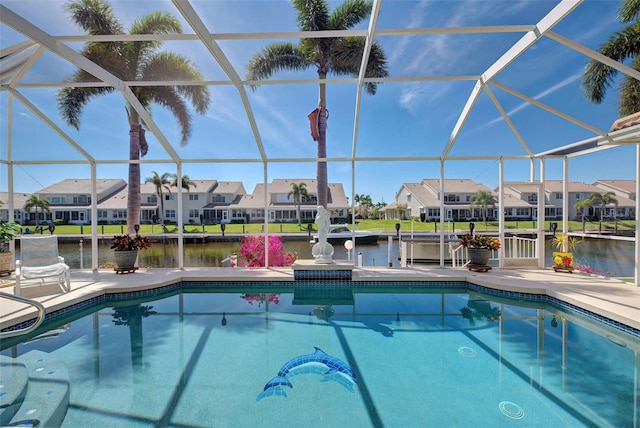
x: 322, y: 253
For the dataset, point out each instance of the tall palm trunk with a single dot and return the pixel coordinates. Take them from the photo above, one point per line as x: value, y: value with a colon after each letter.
x: 161, y: 197
x: 133, y: 200
x: 323, y: 187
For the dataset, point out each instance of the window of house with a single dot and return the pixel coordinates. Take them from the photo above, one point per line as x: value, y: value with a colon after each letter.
x: 57, y: 199
x: 193, y: 197
x: 153, y: 199
x: 169, y: 213
x: 408, y: 197
x: 102, y: 213
x: 119, y: 213
x: 170, y: 197
x: 81, y: 199
x: 217, y: 198
x: 558, y: 195
x: 194, y: 213
x: 532, y: 197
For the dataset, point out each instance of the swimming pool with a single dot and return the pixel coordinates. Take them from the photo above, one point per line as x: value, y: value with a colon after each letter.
x: 449, y: 356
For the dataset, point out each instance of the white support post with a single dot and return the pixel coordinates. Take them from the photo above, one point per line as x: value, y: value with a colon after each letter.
x: 442, y: 214
x: 266, y: 215
x: 180, y: 218
x: 565, y: 195
x: 94, y: 218
x: 389, y: 247
x: 637, y: 255
x: 541, y: 204
x: 501, y: 212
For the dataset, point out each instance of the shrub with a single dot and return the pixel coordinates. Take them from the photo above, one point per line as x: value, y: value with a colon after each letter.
x: 253, y: 252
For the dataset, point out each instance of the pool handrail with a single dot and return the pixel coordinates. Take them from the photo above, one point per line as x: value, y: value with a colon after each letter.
x: 30, y: 328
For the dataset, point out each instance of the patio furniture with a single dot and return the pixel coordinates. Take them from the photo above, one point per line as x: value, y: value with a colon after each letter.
x: 38, y: 261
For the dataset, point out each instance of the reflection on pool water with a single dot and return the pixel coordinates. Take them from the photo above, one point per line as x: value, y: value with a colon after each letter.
x: 394, y: 358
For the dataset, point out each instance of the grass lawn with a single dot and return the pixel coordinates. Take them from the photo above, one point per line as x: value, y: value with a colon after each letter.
x: 374, y: 225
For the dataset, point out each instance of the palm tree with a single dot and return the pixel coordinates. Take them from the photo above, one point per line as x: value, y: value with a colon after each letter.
x: 298, y: 192
x: 582, y: 206
x: 160, y: 182
x: 366, y: 203
x: 338, y: 55
x: 601, y: 200
x: 133, y: 61
x: 483, y: 199
x: 620, y: 46
x: 185, y: 183
x: 36, y: 202
x: 356, y: 202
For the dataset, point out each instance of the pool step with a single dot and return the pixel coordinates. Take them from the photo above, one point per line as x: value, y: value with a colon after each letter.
x: 13, y: 387
x: 34, y: 390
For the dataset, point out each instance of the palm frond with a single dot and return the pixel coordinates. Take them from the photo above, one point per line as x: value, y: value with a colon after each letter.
x: 171, y: 66
x: 72, y: 100
x: 313, y: 15
x: 598, y: 77
x: 629, y: 101
x: 347, y: 55
x: 629, y: 10
x: 169, y: 98
x: 349, y: 14
x: 104, y: 55
x: 273, y: 58
x: 153, y: 23
x: 94, y: 16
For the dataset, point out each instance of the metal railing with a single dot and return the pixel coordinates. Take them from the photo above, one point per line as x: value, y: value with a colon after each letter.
x: 30, y: 328
x: 515, y: 248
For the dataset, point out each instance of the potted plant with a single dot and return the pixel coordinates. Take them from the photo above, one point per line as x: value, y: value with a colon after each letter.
x: 8, y: 231
x: 563, y: 258
x: 125, y: 249
x: 479, y: 248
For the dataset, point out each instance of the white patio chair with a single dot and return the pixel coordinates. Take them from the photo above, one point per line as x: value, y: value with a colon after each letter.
x: 39, y: 260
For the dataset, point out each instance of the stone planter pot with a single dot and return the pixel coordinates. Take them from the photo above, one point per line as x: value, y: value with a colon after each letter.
x: 5, y: 261
x: 479, y: 256
x: 126, y: 259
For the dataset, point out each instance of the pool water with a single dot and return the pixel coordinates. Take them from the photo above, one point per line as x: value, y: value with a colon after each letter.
x: 420, y: 358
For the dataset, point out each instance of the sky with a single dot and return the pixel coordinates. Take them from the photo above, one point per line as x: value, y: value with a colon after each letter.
x: 403, y: 119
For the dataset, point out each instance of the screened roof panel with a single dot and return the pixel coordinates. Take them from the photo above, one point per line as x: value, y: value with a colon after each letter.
x: 432, y: 104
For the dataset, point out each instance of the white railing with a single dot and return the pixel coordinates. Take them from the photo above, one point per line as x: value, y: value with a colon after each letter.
x: 515, y: 249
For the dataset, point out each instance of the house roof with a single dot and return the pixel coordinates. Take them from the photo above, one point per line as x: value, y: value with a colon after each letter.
x: 626, y: 186
x: 81, y: 186
x: 19, y: 199
x: 455, y: 185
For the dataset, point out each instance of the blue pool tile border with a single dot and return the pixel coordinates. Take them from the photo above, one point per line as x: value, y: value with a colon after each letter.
x: 336, y: 283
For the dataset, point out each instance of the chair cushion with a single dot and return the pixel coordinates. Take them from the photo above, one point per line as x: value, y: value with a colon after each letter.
x: 44, y: 271
x: 39, y: 251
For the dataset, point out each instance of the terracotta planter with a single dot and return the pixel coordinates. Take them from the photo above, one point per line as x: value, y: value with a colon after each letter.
x: 126, y: 259
x: 479, y: 256
x: 5, y: 261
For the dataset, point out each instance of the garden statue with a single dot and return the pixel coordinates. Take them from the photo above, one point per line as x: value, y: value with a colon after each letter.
x: 322, y: 250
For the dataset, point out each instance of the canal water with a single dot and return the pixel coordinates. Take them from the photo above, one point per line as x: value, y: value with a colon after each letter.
x: 610, y: 257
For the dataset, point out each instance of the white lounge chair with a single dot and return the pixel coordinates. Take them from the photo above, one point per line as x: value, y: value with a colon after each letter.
x: 39, y: 260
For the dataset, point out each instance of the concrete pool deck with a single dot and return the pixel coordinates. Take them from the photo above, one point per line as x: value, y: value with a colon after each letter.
x: 608, y: 297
